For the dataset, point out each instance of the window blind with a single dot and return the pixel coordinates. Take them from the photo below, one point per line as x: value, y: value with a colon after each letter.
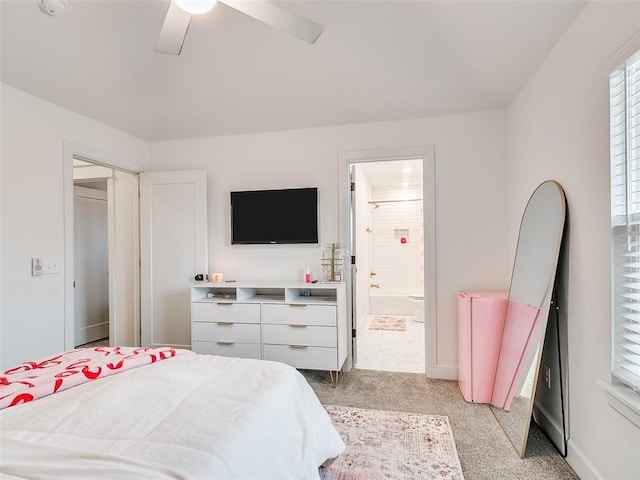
x: 624, y: 92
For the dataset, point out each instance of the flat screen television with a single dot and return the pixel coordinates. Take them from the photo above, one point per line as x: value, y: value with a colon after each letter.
x: 286, y: 216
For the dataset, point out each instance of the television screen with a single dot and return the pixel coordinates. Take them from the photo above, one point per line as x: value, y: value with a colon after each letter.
x: 274, y: 216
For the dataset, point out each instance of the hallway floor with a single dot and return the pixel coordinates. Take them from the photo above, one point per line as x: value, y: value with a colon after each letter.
x: 392, y: 351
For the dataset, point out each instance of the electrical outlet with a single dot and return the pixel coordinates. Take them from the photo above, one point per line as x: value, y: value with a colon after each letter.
x: 547, y: 376
x: 36, y: 266
x: 51, y: 265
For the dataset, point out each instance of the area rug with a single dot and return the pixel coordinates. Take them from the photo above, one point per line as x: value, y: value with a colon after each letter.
x: 388, y: 323
x: 392, y: 445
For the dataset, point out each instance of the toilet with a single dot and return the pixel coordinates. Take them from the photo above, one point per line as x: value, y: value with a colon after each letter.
x: 418, y: 302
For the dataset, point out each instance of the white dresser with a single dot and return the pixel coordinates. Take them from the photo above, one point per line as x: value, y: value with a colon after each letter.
x: 301, y: 324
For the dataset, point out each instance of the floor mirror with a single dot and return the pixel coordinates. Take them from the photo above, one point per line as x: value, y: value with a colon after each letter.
x: 519, y: 371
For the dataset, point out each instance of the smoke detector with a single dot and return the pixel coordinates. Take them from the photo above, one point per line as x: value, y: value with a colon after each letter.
x: 53, y: 7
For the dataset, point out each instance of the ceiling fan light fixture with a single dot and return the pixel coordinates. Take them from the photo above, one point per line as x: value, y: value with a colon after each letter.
x: 195, y: 7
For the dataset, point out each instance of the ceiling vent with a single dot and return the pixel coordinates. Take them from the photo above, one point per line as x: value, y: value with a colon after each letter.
x: 53, y: 7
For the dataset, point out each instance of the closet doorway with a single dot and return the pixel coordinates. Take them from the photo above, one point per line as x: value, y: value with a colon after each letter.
x: 91, y: 252
x: 137, y: 229
x: 105, y: 255
x: 391, y: 236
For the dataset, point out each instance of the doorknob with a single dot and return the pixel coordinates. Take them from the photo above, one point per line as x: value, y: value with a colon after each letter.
x: 371, y: 274
x: 375, y: 285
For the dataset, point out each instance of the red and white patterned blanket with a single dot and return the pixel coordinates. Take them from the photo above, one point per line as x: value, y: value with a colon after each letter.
x: 33, y: 380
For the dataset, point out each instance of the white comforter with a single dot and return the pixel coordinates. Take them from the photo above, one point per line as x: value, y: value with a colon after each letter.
x: 192, y: 417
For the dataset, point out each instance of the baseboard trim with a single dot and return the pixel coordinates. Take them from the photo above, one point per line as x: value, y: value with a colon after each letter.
x: 549, y: 425
x: 444, y: 372
x: 578, y: 461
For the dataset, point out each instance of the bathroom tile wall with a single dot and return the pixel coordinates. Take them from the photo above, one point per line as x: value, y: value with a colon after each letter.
x: 397, y: 240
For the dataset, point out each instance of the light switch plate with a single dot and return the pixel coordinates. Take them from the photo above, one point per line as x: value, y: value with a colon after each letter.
x: 36, y: 266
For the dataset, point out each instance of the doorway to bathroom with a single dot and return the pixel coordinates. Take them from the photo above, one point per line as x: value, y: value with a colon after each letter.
x: 388, y: 234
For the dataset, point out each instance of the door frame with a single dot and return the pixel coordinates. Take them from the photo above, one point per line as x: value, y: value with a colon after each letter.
x: 71, y: 151
x: 427, y: 154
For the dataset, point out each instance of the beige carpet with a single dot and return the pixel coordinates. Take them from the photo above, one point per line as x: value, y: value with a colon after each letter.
x: 484, y: 450
x: 392, y: 445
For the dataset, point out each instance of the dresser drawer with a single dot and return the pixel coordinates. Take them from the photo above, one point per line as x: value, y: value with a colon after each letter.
x: 225, y: 312
x: 313, y: 358
x: 229, y: 331
x: 300, y: 335
x: 299, y: 314
x: 244, y: 350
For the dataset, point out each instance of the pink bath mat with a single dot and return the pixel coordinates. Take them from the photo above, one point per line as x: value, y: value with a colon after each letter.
x: 398, y: 324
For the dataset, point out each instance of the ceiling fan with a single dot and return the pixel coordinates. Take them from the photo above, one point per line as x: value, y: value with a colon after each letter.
x: 175, y: 25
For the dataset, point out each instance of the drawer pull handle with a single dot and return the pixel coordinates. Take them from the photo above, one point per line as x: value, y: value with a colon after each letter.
x: 225, y: 303
x: 224, y: 343
x: 225, y: 323
x: 298, y: 326
x: 299, y: 347
x: 297, y: 304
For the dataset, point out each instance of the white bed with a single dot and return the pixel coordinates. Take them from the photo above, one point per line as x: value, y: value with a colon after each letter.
x: 191, y: 416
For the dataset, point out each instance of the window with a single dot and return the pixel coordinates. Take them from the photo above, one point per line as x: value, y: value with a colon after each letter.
x: 624, y: 91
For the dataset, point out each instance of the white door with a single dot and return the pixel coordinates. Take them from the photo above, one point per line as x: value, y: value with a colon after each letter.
x: 173, y: 249
x: 124, y: 259
x: 91, y: 265
x: 354, y: 271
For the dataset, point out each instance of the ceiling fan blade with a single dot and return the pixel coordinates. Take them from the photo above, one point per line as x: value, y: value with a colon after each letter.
x: 173, y: 30
x: 276, y: 17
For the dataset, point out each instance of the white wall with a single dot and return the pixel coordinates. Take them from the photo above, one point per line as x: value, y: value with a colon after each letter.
x: 32, y: 220
x: 558, y: 129
x: 470, y: 198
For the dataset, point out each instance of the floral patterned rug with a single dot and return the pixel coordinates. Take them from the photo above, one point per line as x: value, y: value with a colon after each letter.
x: 392, y: 445
x: 388, y: 323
